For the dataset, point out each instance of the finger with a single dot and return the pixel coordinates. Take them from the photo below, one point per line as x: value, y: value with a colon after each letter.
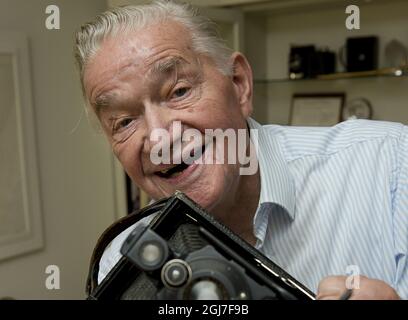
x: 331, y: 288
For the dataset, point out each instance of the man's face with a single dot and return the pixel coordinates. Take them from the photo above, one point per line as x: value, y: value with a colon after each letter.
x: 144, y: 81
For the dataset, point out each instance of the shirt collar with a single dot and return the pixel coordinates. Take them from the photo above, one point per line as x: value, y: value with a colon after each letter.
x: 277, y: 185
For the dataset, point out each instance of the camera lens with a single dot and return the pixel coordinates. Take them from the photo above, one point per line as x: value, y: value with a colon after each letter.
x: 151, y: 253
x: 206, y: 290
x: 176, y: 273
x: 146, y: 249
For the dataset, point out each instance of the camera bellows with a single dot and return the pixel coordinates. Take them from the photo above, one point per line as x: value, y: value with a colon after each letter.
x: 186, y: 239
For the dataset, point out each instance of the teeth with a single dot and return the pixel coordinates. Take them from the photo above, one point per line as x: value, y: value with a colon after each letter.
x: 175, y: 174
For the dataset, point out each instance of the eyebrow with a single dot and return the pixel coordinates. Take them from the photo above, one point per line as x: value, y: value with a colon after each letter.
x: 102, y: 101
x: 167, y: 66
x: 159, y: 69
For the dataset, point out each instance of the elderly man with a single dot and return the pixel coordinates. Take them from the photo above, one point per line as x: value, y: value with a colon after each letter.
x: 324, y: 202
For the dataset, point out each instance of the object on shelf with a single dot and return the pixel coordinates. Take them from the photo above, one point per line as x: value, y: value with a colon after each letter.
x: 316, y: 109
x: 358, y: 108
x: 324, y: 62
x: 300, y: 62
x: 305, y: 62
x: 396, y: 54
x: 361, y: 54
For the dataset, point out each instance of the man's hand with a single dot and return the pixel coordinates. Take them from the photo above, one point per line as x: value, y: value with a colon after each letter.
x: 332, y: 288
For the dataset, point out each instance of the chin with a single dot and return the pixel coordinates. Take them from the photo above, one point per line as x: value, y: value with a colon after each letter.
x: 208, y: 198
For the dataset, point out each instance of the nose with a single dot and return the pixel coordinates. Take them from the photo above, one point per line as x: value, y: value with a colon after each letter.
x: 159, y: 123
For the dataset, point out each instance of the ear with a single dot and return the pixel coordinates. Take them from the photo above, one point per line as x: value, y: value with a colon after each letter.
x: 242, y: 81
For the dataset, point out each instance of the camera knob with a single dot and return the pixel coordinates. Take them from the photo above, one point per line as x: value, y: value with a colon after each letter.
x: 176, y: 273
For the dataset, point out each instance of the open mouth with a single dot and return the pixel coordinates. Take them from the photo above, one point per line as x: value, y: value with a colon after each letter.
x: 176, y: 170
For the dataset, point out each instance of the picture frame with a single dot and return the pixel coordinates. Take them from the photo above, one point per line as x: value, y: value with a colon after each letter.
x: 316, y: 109
x: 21, y: 224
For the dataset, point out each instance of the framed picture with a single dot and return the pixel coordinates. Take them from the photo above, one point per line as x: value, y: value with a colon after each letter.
x: 316, y: 109
x: 21, y: 225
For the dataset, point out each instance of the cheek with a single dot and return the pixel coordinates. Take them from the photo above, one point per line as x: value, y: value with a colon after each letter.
x: 212, y: 114
x: 127, y: 153
x: 220, y: 112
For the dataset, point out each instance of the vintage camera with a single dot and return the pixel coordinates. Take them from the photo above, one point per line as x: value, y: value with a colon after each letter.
x: 308, y: 62
x: 185, y: 254
x: 362, y: 53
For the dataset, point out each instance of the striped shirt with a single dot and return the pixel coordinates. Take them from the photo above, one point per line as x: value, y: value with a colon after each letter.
x: 333, y: 201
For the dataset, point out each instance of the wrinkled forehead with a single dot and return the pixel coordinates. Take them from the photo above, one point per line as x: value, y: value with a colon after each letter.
x: 142, y: 47
x: 139, y: 59
x: 149, y: 52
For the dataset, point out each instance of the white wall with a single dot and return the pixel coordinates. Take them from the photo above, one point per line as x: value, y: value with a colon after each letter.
x: 388, y: 20
x: 75, y: 168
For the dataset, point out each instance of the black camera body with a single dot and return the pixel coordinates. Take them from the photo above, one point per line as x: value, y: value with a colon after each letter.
x: 307, y: 62
x: 362, y: 53
x: 185, y: 254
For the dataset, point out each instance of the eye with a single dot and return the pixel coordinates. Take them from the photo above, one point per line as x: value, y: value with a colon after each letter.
x: 123, y: 128
x: 180, y: 92
x: 122, y: 124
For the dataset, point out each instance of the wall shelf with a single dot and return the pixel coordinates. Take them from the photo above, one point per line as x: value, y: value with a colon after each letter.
x: 380, y: 73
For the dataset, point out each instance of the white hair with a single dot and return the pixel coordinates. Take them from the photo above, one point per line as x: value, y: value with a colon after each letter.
x: 203, y: 32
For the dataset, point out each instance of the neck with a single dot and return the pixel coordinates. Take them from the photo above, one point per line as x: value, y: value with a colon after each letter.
x: 239, y: 212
